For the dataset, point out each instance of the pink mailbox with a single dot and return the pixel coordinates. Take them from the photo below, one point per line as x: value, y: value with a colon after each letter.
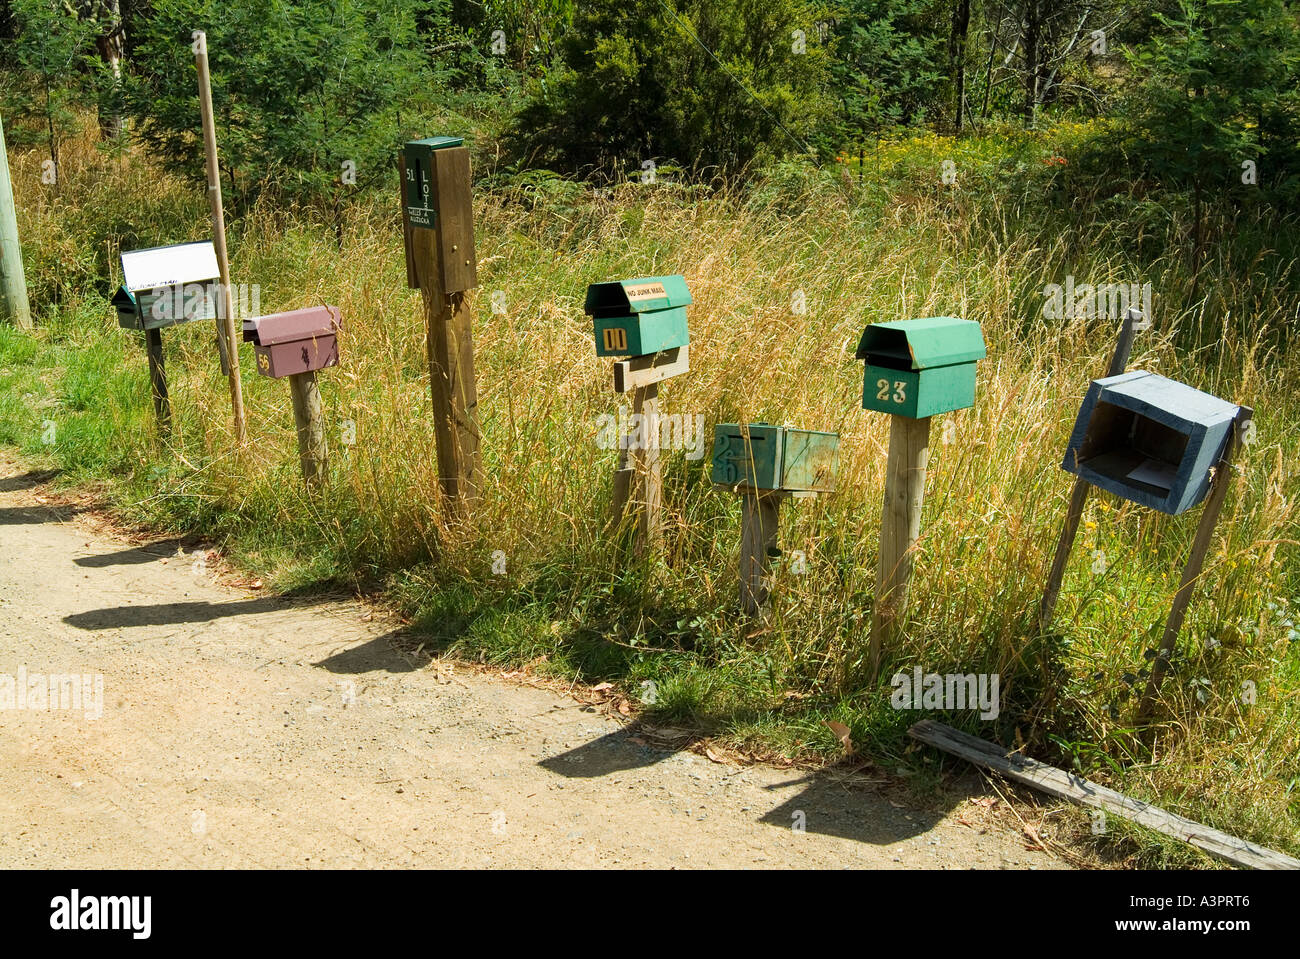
x: 299, y: 341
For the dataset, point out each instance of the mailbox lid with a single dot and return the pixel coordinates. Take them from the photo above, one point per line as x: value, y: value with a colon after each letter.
x: 436, y: 143
x: 309, y: 323
x: 166, y: 266
x: 643, y: 295
x: 809, y: 460
x: 922, y: 344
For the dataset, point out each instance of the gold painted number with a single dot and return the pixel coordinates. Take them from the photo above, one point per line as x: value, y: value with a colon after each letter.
x: 616, y: 339
x: 263, y: 362
x: 900, y: 391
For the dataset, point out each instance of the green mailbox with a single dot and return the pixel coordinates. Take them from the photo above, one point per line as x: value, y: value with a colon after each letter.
x: 639, y: 317
x: 418, y: 190
x: 767, y: 457
x: 919, y: 368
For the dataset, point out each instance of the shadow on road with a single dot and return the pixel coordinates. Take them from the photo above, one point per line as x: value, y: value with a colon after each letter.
x: 611, y: 753
x: 831, y: 806
x: 378, y: 654
x: 32, y: 515
x: 134, y: 555
x: 29, y: 480
x: 172, y: 614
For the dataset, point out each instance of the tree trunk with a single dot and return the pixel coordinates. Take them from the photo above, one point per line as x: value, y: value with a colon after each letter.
x: 957, y: 55
x: 1032, y: 41
x: 110, y: 43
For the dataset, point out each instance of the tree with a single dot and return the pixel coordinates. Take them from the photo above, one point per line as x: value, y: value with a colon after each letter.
x: 1218, y: 100
x: 50, y: 49
x: 307, y: 96
x: 702, y: 82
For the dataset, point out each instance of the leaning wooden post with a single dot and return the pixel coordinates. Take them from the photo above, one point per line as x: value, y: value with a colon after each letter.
x: 1192, y: 571
x: 438, y: 233
x: 295, y: 345
x: 13, y: 282
x: 915, y: 369
x: 765, y: 464
x: 225, y: 307
x: 643, y: 320
x: 1079, y: 495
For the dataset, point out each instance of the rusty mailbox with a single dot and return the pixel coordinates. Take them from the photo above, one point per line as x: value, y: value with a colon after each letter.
x: 299, y: 341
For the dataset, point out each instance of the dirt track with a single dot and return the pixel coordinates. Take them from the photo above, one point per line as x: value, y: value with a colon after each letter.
x: 243, y: 730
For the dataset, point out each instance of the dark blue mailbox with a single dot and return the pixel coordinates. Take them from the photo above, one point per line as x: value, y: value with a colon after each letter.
x: 1149, y: 439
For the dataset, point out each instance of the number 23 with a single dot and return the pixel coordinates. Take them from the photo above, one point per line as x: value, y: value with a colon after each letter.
x: 900, y: 395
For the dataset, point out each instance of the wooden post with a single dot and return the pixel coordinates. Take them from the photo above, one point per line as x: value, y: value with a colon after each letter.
x: 441, y: 264
x: 1079, y: 495
x: 158, y: 378
x: 13, y: 282
x: 759, y: 523
x: 900, y: 525
x: 1192, y: 571
x: 313, y: 452
x: 641, y: 375
x: 225, y: 309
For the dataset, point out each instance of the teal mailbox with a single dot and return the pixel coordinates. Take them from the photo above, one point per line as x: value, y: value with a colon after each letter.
x: 419, y: 190
x: 919, y: 368
x: 639, y: 317
x: 762, y: 456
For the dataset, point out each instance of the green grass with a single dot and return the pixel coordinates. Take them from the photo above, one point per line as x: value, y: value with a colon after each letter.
x: 574, y: 603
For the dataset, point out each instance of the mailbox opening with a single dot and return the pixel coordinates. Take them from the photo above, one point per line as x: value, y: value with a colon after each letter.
x: 886, y: 347
x: 1132, y: 449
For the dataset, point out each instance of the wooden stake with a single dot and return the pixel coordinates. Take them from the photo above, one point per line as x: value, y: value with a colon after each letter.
x: 13, y: 282
x: 225, y: 310
x: 1079, y: 495
x: 1192, y: 571
x: 900, y: 526
x: 759, y: 523
x: 649, y: 469
x: 313, y: 453
x: 158, y: 378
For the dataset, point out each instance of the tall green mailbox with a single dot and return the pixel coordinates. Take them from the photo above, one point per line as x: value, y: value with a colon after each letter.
x: 639, y: 317
x: 761, y: 456
x: 418, y: 191
x: 919, y: 368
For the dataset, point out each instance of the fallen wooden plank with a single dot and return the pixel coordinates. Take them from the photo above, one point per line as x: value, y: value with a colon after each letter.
x: 1065, y: 785
x: 640, y: 371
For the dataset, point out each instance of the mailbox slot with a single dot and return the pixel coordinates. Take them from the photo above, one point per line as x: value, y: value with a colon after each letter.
x: 919, y: 368
x: 1149, y: 439
x: 767, y: 457
x: 298, y: 341
x: 639, y: 317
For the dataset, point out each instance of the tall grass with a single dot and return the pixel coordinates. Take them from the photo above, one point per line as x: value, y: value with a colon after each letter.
x: 888, y: 243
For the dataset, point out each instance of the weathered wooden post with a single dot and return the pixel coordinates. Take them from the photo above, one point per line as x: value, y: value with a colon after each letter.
x: 765, y: 464
x: 438, y: 230
x: 161, y: 287
x: 915, y: 369
x: 13, y: 282
x: 1161, y: 444
x: 644, y: 320
x: 295, y: 345
x: 225, y: 305
x: 1079, y: 495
